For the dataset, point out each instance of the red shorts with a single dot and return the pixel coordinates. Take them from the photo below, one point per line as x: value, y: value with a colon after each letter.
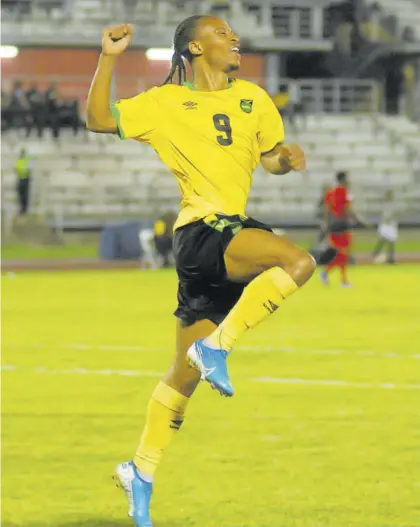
x: 341, y: 241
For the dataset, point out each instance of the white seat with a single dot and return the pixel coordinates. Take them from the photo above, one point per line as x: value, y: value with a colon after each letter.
x: 389, y: 163
x: 371, y: 149
x: 319, y: 164
x: 353, y: 137
x: 113, y: 179
x: 97, y: 163
x: 334, y: 149
x: 8, y: 177
x: 52, y: 164
x: 364, y: 177
x: 350, y: 163
x: 70, y: 148
x: 69, y: 181
x: 8, y: 162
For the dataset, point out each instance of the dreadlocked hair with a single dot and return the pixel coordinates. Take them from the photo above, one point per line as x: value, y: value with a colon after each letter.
x: 184, y: 33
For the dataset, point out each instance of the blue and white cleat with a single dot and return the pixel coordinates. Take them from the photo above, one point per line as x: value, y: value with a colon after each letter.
x: 211, y: 363
x: 137, y: 491
x: 324, y: 277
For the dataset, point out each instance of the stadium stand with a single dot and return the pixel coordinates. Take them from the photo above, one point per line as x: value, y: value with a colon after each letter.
x: 97, y: 178
x: 30, y: 20
x: 89, y: 179
x: 407, y: 13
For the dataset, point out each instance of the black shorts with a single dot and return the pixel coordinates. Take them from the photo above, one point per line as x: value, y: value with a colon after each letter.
x: 204, y: 292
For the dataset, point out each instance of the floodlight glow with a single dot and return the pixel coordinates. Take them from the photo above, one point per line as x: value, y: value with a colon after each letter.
x: 8, y: 52
x: 159, y: 53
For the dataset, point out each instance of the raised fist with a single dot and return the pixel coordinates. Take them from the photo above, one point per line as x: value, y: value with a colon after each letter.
x: 116, y: 39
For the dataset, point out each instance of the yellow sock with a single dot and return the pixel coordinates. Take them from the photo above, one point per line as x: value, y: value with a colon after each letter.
x: 260, y: 298
x: 165, y: 415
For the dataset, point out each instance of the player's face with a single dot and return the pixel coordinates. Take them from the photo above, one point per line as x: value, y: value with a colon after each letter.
x: 217, y: 44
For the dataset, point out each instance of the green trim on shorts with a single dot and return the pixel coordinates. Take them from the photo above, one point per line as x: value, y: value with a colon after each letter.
x: 116, y: 113
x: 220, y: 224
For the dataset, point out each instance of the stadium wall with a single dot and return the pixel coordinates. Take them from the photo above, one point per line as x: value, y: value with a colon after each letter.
x: 74, y: 68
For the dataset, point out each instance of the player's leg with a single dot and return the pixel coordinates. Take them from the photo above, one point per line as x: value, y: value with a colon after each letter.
x: 343, y: 264
x: 391, y: 252
x: 167, y: 405
x: 378, y: 247
x: 335, y: 262
x: 345, y: 244
x: 165, y: 415
x: 274, y: 268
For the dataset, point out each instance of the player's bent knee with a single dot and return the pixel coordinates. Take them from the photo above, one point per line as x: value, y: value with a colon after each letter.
x: 302, y: 268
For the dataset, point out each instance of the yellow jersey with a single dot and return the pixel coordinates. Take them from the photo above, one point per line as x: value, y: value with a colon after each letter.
x: 211, y: 141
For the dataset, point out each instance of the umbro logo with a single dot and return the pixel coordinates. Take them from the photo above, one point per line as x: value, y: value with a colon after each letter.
x: 190, y: 105
x: 270, y: 306
x: 176, y: 424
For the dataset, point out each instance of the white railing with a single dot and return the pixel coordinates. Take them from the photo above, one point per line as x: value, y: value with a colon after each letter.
x: 336, y: 95
x: 317, y: 95
x: 61, y: 19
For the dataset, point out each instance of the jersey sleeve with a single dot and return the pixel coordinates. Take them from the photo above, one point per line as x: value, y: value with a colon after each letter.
x: 136, y: 117
x: 270, y: 125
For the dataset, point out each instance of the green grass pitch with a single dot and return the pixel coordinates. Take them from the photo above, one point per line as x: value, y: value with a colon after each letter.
x: 324, y: 430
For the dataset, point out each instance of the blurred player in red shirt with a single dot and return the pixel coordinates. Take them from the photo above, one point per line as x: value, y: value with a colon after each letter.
x: 339, y: 214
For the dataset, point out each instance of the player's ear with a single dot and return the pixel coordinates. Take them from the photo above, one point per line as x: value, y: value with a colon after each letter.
x: 195, y: 48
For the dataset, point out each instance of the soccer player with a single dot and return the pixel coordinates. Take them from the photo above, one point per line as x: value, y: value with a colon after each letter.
x: 387, y: 231
x: 233, y: 271
x: 339, y: 214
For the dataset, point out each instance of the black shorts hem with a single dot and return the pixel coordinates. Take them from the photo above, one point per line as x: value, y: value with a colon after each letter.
x: 188, y: 318
x: 204, y: 291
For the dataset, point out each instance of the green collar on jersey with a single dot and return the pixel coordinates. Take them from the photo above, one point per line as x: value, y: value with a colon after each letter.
x: 191, y: 86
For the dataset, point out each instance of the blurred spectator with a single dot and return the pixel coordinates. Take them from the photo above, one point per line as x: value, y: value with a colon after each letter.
x: 390, y: 25
x: 288, y: 102
x: 129, y: 7
x: 408, y: 34
x: 19, y: 110
x: 322, y: 213
x: 16, y: 8
x: 36, y: 102
x: 6, y: 117
x: 295, y: 108
x: 163, y: 233
x: 32, y: 108
x: 322, y: 251
x: 69, y: 115
x: 23, y: 170
x: 387, y: 231
x: 394, y: 85
x: 343, y: 37
x: 52, y: 109
x: 281, y: 99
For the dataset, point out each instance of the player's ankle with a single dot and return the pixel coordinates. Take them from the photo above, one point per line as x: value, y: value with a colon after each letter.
x: 211, y: 343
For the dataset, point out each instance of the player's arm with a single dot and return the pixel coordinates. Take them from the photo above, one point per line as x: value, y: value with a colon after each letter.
x: 276, y: 157
x: 283, y: 158
x: 326, y: 210
x: 99, y: 117
x: 352, y: 214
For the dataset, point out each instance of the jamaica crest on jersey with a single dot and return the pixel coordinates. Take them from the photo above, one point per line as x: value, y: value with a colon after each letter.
x: 246, y: 105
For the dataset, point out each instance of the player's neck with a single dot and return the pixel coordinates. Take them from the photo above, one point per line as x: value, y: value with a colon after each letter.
x: 207, y: 79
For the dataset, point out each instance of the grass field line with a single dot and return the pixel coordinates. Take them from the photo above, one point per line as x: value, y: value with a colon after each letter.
x: 254, y: 349
x: 273, y: 380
